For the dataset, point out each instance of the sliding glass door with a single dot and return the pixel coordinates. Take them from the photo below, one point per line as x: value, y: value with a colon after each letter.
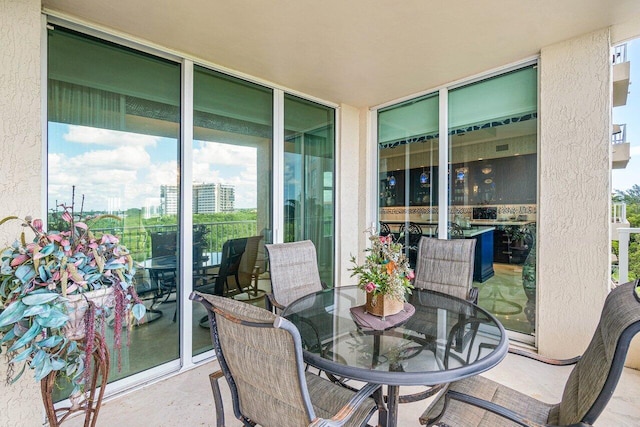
x: 309, y: 147
x: 231, y: 184
x: 490, y: 183
x: 113, y: 134
x: 115, y: 120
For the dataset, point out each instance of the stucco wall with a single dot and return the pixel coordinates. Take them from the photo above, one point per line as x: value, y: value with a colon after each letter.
x: 351, y: 181
x: 20, y: 160
x: 573, y: 263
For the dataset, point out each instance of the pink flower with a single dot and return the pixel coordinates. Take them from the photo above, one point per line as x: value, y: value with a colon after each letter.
x: 37, y: 224
x: 411, y: 275
x: 67, y: 216
x: 109, y: 238
x: 370, y: 287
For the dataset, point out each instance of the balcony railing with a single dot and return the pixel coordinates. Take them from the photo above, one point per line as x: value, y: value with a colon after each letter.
x: 619, y: 136
x: 624, y: 235
x: 620, y: 54
x: 138, y: 239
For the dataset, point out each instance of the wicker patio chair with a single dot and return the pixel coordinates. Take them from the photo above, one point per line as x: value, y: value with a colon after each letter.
x: 294, y: 272
x: 480, y: 402
x: 260, y: 355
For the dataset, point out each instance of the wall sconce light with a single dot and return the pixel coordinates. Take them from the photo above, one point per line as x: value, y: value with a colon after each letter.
x: 424, y: 178
x: 487, y: 170
x: 392, y: 181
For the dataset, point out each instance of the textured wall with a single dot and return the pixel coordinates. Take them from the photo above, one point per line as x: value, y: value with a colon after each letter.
x: 573, y: 263
x: 20, y: 164
x: 350, y: 182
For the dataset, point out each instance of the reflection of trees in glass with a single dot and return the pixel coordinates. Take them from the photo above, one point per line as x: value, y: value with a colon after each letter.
x: 632, y: 199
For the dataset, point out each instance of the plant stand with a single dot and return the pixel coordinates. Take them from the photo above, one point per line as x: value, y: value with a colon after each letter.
x: 87, y: 402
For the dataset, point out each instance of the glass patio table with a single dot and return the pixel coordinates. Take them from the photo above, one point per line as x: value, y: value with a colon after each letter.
x: 445, y: 340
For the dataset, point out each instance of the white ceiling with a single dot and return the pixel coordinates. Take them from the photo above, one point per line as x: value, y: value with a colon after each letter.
x: 358, y: 52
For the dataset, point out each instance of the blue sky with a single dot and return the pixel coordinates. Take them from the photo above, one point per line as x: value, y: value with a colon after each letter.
x: 623, y: 179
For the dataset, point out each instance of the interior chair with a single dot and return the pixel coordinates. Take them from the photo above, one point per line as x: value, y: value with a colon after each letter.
x: 294, y: 272
x: 480, y: 402
x: 260, y: 355
x: 384, y: 229
x: 410, y: 234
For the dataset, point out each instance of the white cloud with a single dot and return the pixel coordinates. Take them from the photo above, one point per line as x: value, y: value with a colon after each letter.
x: 89, y: 135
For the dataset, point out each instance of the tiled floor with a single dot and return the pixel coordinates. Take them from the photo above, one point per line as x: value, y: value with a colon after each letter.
x: 185, y: 400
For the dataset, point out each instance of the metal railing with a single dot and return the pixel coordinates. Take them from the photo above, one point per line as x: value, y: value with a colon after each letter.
x: 624, y: 235
x: 620, y: 54
x: 620, y: 137
x: 619, y: 213
x: 138, y: 238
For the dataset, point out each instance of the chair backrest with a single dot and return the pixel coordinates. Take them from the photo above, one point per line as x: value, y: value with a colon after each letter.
x: 260, y: 355
x: 445, y: 265
x: 232, y: 251
x: 248, y: 261
x: 294, y: 270
x: 164, y: 243
x: 595, y: 376
x: 412, y: 232
x: 385, y: 230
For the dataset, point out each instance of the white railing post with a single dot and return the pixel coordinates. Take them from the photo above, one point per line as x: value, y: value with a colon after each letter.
x: 623, y: 255
x: 623, y: 252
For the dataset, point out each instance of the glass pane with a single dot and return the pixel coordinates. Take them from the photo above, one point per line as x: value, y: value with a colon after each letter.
x: 492, y: 189
x: 408, y: 171
x: 308, y: 178
x: 232, y: 147
x: 113, y: 133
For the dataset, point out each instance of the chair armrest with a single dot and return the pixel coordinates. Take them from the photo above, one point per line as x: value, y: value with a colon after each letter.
x: 273, y: 303
x: 547, y: 360
x: 473, y: 295
x: 345, y: 413
x: 498, y: 410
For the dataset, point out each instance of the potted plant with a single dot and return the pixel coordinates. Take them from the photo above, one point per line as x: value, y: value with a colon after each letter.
x: 56, y: 290
x: 385, y: 276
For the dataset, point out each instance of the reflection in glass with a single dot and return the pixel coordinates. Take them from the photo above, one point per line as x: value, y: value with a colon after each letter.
x: 231, y: 206
x: 113, y: 133
x: 309, y: 149
x: 493, y: 144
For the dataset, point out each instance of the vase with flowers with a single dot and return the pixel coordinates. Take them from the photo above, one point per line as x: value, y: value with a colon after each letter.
x: 57, y: 289
x: 385, y: 275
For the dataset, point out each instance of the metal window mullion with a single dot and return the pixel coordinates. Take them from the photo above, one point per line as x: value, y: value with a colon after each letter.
x: 443, y: 160
x: 278, y: 166
x: 186, y: 215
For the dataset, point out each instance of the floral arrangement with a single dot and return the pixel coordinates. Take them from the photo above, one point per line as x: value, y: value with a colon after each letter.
x: 38, y: 279
x: 385, y: 270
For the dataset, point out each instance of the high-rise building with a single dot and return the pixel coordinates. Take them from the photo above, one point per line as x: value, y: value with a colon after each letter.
x: 168, y: 200
x: 207, y: 198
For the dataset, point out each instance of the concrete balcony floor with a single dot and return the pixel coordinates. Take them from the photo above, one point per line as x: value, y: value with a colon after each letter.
x: 186, y: 399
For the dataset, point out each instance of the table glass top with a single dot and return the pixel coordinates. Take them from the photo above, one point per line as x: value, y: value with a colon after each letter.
x: 445, y: 339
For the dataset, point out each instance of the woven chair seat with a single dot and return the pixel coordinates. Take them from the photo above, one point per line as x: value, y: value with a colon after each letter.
x: 462, y: 415
x: 328, y: 398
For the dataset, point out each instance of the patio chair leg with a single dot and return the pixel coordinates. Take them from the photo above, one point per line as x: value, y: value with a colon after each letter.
x: 217, y: 397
